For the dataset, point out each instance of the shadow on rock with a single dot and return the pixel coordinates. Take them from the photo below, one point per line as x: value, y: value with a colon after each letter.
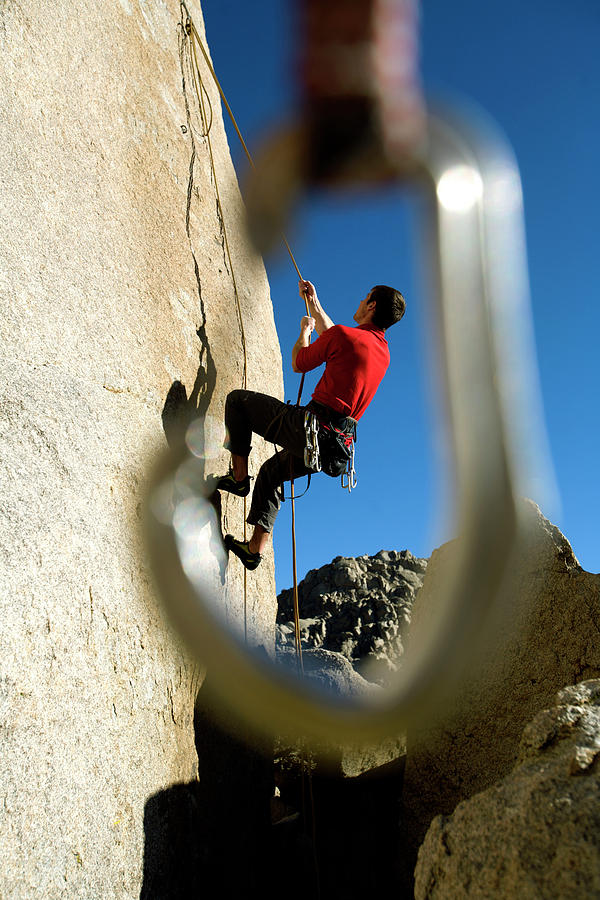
x: 179, y: 412
x: 173, y: 855
x: 211, y: 837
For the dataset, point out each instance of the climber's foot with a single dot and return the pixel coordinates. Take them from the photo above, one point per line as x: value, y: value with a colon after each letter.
x: 242, y: 550
x: 229, y: 484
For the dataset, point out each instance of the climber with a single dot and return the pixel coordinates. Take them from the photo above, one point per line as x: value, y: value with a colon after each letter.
x: 356, y: 359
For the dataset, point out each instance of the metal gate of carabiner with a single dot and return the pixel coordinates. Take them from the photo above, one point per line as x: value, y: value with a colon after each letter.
x: 348, y: 478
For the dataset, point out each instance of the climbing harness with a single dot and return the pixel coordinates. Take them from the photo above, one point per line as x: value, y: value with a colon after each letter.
x: 335, y: 444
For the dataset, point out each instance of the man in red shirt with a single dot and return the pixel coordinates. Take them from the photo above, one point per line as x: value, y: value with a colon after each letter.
x: 356, y: 360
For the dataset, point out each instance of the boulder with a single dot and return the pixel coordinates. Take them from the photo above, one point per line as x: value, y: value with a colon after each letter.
x: 358, y: 607
x: 119, y: 322
x: 536, y: 834
x: 545, y: 636
x: 331, y: 672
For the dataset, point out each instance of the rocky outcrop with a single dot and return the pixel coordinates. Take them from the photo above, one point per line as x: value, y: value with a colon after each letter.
x: 536, y: 834
x: 545, y: 637
x: 357, y: 607
x: 118, y: 317
x: 331, y: 671
x: 354, y: 615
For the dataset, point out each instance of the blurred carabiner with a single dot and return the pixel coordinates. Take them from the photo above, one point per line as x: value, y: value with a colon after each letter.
x: 475, y: 244
x: 361, y: 115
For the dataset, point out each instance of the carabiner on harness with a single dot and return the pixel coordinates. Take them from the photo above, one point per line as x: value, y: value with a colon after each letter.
x: 348, y: 478
x: 312, y: 459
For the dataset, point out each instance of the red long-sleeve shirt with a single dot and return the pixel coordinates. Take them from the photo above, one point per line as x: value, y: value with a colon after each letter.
x: 356, y: 359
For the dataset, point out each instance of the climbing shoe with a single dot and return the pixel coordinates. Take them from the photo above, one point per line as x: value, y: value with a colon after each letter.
x: 239, y: 488
x: 242, y: 551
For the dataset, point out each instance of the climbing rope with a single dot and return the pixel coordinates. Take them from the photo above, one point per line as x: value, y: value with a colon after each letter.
x: 389, y: 90
x: 201, y: 93
x: 196, y: 42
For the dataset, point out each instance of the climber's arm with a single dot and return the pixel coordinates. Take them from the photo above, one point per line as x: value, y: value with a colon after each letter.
x: 307, y: 356
x: 306, y: 327
x: 322, y: 320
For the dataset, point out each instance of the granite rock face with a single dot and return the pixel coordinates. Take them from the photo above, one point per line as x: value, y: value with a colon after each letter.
x: 546, y: 636
x: 357, y: 607
x: 119, y: 323
x: 536, y: 834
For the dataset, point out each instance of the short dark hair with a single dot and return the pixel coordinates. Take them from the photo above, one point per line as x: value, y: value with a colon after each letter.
x: 390, y: 306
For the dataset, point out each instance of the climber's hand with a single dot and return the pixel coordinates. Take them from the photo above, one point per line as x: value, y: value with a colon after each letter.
x: 321, y: 319
x: 307, y: 325
x: 307, y: 289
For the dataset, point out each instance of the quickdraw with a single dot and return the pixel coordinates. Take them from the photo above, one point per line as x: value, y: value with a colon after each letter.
x: 348, y: 478
x: 312, y: 458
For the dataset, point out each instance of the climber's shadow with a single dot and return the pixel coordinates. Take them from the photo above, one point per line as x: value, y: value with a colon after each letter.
x: 180, y: 411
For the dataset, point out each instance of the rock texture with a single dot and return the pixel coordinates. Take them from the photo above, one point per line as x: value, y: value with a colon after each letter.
x: 536, y: 834
x: 118, y: 318
x: 357, y: 607
x: 547, y: 637
x: 334, y: 674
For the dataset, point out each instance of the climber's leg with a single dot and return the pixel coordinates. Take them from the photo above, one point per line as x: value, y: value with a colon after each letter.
x: 250, y: 411
x: 259, y: 540
x: 247, y: 412
x: 273, y: 473
x: 249, y: 552
x: 239, y: 465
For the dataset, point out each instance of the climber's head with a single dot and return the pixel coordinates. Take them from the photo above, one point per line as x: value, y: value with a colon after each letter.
x: 382, y: 307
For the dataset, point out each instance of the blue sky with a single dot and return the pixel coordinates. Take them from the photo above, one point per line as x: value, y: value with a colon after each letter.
x: 535, y: 68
